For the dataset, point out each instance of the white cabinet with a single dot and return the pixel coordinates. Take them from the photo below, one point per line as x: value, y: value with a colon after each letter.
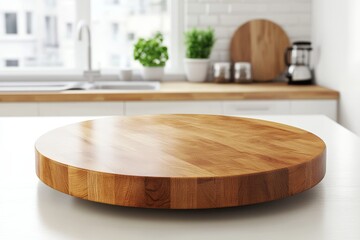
x: 326, y: 107
x: 323, y: 107
x: 18, y: 109
x: 237, y: 107
x: 81, y: 109
x: 256, y: 107
x: 163, y: 107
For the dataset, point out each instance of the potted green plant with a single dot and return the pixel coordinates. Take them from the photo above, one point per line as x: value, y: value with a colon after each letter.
x: 199, y: 44
x: 152, y: 55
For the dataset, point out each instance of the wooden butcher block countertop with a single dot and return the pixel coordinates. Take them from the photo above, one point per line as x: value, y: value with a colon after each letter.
x: 181, y: 91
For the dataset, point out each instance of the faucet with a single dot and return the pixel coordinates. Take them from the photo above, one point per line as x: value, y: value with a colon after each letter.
x: 89, y: 74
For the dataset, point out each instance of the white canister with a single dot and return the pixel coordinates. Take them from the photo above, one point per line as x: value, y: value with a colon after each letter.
x: 126, y: 74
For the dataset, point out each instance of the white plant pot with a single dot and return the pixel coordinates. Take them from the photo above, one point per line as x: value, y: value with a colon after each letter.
x: 196, y: 70
x: 153, y: 73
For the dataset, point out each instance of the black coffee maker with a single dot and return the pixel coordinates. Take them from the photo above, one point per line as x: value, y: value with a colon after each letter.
x: 297, y: 58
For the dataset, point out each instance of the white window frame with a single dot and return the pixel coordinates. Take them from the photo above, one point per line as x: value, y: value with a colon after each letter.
x: 29, y: 24
x: 83, y: 12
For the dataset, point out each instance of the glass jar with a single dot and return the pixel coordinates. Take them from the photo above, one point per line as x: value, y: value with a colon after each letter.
x: 242, y: 72
x: 222, y: 72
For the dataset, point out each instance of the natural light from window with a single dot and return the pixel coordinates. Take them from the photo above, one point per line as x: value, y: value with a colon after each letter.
x: 117, y: 24
x: 36, y: 33
x: 42, y: 34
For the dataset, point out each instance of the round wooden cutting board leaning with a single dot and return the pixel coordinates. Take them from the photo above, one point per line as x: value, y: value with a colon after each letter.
x: 180, y: 161
x: 262, y: 43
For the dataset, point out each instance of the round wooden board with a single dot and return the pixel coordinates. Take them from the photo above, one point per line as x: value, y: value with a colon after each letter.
x: 263, y: 44
x: 180, y: 161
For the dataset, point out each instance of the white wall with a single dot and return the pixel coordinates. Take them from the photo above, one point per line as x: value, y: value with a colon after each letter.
x: 336, y: 41
x: 225, y: 16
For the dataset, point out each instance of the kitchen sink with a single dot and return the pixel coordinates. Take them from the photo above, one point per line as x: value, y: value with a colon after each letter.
x: 64, y: 86
x: 125, y: 86
x: 34, y: 86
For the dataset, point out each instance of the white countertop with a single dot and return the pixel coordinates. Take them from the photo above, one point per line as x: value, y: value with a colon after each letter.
x: 31, y: 210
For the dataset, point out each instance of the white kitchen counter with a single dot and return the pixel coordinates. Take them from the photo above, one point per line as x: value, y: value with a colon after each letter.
x: 31, y: 210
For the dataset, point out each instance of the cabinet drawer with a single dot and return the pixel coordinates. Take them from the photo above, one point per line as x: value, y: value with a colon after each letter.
x: 323, y: 107
x: 81, y: 109
x: 164, y: 107
x: 249, y: 107
x: 18, y: 109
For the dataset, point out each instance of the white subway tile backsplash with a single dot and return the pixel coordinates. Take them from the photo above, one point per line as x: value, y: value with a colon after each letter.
x: 231, y: 20
x: 225, y: 16
x: 283, y: 19
x: 215, y: 56
x: 207, y: 20
x: 191, y: 21
x: 223, y: 32
x: 300, y: 7
x: 298, y: 31
x: 224, y: 56
x: 305, y: 19
x: 222, y: 44
x: 248, y: 7
x: 219, y: 8
x: 195, y: 8
x: 206, y: 1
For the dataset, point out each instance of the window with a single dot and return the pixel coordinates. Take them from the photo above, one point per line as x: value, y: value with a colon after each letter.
x: 51, y: 39
x: 28, y: 23
x: 115, y: 27
x: 137, y: 18
x: 46, y: 21
x: 12, y: 63
x: 115, y: 31
x: 69, y: 30
x: 11, y: 23
x: 51, y: 3
x: 115, y: 60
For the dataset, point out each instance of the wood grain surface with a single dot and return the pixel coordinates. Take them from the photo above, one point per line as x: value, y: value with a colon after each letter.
x: 182, y: 91
x: 263, y: 44
x: 180, y: 161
